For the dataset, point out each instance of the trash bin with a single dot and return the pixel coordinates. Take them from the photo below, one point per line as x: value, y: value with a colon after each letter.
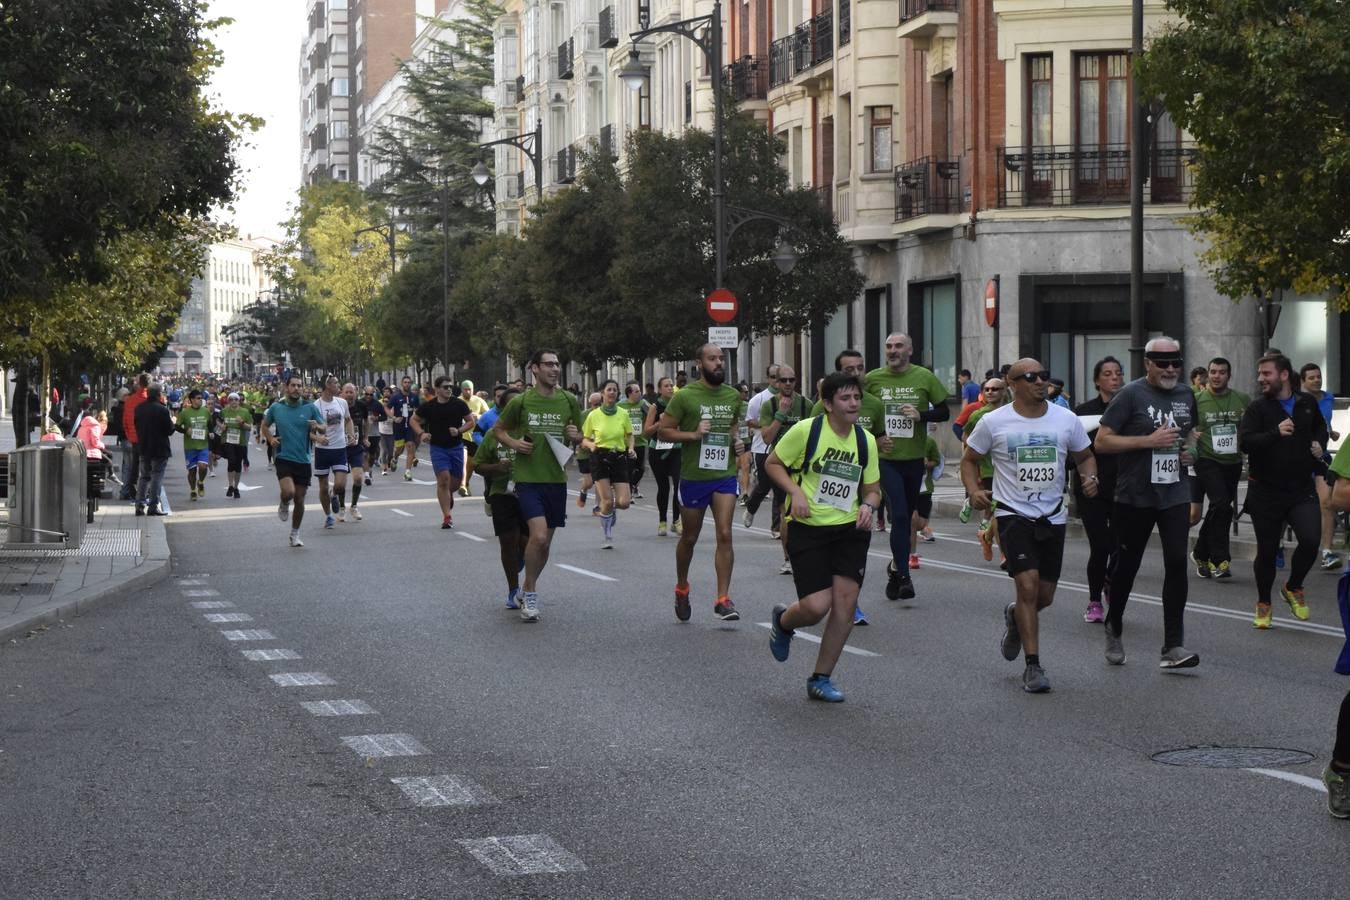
x: 46, y: 496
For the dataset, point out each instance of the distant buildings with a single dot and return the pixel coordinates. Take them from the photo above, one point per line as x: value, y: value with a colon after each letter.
x: 232, y: 279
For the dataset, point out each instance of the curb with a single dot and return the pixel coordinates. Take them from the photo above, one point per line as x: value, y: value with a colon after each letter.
x: 154, y: 569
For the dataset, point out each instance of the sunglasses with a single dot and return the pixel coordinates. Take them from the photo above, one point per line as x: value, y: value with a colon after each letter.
x: 1166, y: 362
x: 788, y: 380
x: 1033, y: 377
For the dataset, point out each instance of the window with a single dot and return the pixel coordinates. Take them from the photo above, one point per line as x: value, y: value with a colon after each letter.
x: 339, y: 87
x: 933, y: 318
x: 360, y: 76
x: 1102, y: 132
x: 360, y: 32
x: 337, y: 4
x: 1040, y: 97
x: 337, y: 43
x: 339, y: 130
x: 879, y: 145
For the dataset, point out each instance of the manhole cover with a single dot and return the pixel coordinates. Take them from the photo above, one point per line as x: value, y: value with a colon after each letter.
x: 1210, y: 757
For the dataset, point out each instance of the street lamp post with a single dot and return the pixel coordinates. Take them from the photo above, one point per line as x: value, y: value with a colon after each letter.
x: 523, y: 143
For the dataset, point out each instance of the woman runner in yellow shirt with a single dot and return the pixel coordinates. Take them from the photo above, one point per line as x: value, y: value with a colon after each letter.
x: 608, y: 435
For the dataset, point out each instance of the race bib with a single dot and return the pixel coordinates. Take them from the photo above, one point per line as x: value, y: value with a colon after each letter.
x: 197, y: 431
x: 714, y: 452
x: 1223, y: 438
x: 897, y: 424
x: 637, y: 428
x: 1037, y: 468
x: 838, y: 484
x: 1166, y: 467
x: 234, y: 436
x: 663, y: 445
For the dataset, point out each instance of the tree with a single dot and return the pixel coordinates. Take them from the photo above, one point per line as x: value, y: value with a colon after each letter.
x: 491, y: 293
x: 1262, y: 88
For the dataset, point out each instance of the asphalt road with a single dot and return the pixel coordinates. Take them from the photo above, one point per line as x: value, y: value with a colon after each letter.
x: 609, y: 751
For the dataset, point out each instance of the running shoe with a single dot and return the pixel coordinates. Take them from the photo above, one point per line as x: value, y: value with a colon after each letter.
x: 682, y: 609
x: 356, y: 514
x: 747, y: 518
x: 529, y: 606
x: 819, y: 687
x: 367, y: 481
x: 986, y: 536
x: 342, y: 515
x: 678, y: 526
x: 407, y: 474
x: 1262, y: 617
x: 283, y: 510
x: 785, y: 568
x: 581, y: 500
x: 296, y: 542
x: 1011, y: 645
x: 1178, y: 658
x: 859, y: 618
x: 1115, y: 647
x: 964, y: 515
x: 725, y: 610
x: 775, y: 533
x: 192, y: 495
x: 1294, y: 597
x: 1223, y: 570
x: 1094, y: 613
x: 1034, y: 680
x: 607, y: 544
x: 1202, y: 566
x: 892, y: 581
x: 742, y: 499
x: 660, y: 529
x: 914, y: 560
x: 1279, y: 558
x: 878, y: 525
x: 780, y: 638
x: 637, y: 495
x: 511, y: 598
x: 927, y: 536
x: 905, y: 585
x: 1330, y: 560
x: 446, y: 524
x: 464, y: 491
x: 329, y: 521
x: 1338, y: 793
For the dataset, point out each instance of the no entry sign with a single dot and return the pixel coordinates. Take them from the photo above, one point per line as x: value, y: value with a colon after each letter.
x: 722, y: 305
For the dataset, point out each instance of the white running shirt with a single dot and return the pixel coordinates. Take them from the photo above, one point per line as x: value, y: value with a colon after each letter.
x: 1029, y: 457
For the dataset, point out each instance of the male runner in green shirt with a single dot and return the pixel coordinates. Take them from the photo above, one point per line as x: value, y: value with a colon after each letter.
x: 1218, y: 467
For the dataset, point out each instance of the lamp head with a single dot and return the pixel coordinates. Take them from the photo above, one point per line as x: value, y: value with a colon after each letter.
x: 784, y: 257
x: 634, y: 73
x: 480, y: 174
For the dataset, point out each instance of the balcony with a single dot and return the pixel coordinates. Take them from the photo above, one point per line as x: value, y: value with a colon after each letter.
x: 927, y: 187
x: 923, y: 20
x: 608, y: 149
x: 565, y: 60
x: 780, y: 61
x: 565, y: 166
x: 813, y: 42
x: 1097, y: 175
x: 825, y: 196
x: 508, y: 93
x: 748, y: 78
x: 608, y: 36
x: 845, y: 22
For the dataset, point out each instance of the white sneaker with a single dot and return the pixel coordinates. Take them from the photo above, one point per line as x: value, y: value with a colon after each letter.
x: 529, y: 607
x: 607, y: 544
x: 283, y: 510
x: 356, y: 514
x: 407, y: 474
x: 786, y: 568
x: 342, y: 515
x: 296, y: 542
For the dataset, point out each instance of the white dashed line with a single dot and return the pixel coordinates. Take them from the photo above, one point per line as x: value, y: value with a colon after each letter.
x: 222, y: 618
x: 248, y: 634
x: 212, y: 604
x: 587, y: 572
x: 815, y: 640
x: 301, y: 679
x: 472, y: 537
x: 338, y: 708
x: 370, y: 745
x: 522, y: 854
x: 201, y: 592
x: 1292, y: 777
x: 443, y: 790
x: 190, y: 582
x: 402, y: 513
x: 269, y: 655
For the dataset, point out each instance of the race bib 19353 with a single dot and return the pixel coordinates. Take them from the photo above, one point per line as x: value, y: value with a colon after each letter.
x: 898, y: 425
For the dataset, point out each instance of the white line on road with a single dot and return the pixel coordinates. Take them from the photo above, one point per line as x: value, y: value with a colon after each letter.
x: 369, y: 745
x: 472, y: 537
x: 522, y: 854
x: 269, y: 655
x: 815, y: 640
x: 1292, y: 777
x: 201, y: 592
x: 580, y: 571
x: 302, y: 679
x: 443, y: 790
x: 248, y: 634
x: 420, y: 481
x: 402, y: 513
x: 222, y: 618
x: 338, y: 708
x: 190, y: 582
x: 212, y: 604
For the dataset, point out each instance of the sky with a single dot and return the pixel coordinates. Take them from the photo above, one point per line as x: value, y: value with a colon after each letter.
x: 260, y: 76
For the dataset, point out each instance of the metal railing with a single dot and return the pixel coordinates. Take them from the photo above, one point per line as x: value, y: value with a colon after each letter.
x: 748, y: 78
x: 780, y: 61
x: 565, y: 166
x: 825, y: 196
x: 926, y: 187
x: 608, y: 36
x: 845, y: 22
x: 607, y: 147
x: 1091, y: 175
x: 912, y: 9
x: 565, y: 60
x: 813, y: 42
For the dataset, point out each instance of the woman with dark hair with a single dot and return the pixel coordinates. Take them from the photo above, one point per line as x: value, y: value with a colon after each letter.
x: 1310, y: 378
x: 1095, y: 512
x: 608, y: 435
x: 665, y: 460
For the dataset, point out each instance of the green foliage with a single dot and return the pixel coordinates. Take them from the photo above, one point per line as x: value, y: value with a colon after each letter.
x: 490, y: 293
x: 1262, y: 87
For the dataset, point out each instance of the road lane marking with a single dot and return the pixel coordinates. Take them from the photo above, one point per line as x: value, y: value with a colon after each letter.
x: 371, y: 745
x: 580, y: 571
x: 269, y: 655
x: 402, y: 513
x: 443, y: 790
x: 250, y: 487
x: 201, y: 592
x: 301, y: 679
x: 338, y: 708
x: 248, y: 634
x: 190, y: 582
x: 856, y: 651
x: 212, y: 604
x: 472, y: 537
x: 522, y: 854
x: 222, y: 618
x: 1292, y: 777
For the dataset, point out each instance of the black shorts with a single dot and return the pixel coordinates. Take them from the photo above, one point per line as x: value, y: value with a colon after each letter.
x: 610, y: 465
x: 924, y: 508
x: 1031, y: 545
x: 820, y: 552
x: 356, y: 455
x: 584, y: 465
x: 506, y: 518
x: 299, y: 473
x: 234, y: 457
x: 1197, y: 489
x: 470, y: 447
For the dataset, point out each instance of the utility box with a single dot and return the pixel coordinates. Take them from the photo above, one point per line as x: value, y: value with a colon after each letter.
x: 46, y: 502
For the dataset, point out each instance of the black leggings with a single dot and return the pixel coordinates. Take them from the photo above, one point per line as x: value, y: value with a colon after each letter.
x: 666, y: 470
x: 1220, y: 483
x: 1096, y: 515
x: 1134, y: 526
x: 1341, y: 753
x: 764, y: 485
x: 1269, y: 511
x: 635, y: 468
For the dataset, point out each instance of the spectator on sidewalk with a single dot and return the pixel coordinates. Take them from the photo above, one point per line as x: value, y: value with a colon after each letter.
x: 91, y: 429
x: 154, y: 427
x: 134, y: 400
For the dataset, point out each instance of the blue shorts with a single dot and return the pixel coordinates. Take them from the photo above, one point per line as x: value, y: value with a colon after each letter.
x: 543, y: 499
x: 198, y: 457
x: 328, y: 460
x: 448, y: 459
x: 698, y: 494
x: 356, y: 456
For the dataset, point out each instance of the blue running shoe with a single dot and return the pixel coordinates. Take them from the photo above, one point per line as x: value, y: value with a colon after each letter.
x: 858, y: 616
x: 511, y: 598
x: 821, y: 688
x: 779, y: 637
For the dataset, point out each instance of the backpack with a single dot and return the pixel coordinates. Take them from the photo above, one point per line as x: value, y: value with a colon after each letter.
x: 813, y: 438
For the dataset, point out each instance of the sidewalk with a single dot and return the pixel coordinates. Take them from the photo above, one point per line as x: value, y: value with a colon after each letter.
x: 120, y: 554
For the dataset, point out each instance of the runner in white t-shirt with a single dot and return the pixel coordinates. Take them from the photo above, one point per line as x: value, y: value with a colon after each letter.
x: 332, y: 457
x: 1029, y: 442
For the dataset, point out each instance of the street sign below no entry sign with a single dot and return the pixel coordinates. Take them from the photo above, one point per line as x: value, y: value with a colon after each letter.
x: 722, y: 305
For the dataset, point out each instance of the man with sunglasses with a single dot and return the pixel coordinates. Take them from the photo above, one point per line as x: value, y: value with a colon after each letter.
x: 760, y: 450
x: 444, y: 421
x: 1149, y: 425
x: 1029, y: 442
x: 786, y: 409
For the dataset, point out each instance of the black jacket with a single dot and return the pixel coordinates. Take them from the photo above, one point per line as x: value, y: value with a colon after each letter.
x: 154, y: 427
x: 1274, y: 460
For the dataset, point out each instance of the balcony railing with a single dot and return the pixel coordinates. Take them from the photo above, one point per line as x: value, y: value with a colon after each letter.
x: 825, y: 196
x: 607, y: 147
x: 912, y: 9
x: 748, y: 78
x: 780, y: 61
x: 565, y: 166
x: 608, y: 36
x: 927, y: 187
x: 813, y: 42
x: 1091, y: 175
x: 565, y: 60
x: 845, y: 22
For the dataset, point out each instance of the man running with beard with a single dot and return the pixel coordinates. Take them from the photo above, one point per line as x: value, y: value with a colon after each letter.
x: 298, y: 425
x: 444, y: 421
x: 405, y: 403
x: 332, y: 456
x: 356, y: 453
x: 1218, y: 467
x: 702, y: 416
x: 495, y: 464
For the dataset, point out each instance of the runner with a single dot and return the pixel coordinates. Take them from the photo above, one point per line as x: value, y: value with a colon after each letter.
x: 607, y: 433
x: 404, y: 404
x: 477, y: 407
x: 1095, y: 511
x: 376, y: 417
x: 332, y: 456
x: 356, y: 453
x: 760, y: 451
x: 586, y: 480
x: 194, y: 421
x: 1310, y: 376
x: 1030, y: 441
x: 443, y: 422
x: 238, y: 421
x: 388, y: 457
x: 787, y: 408
x: 635, y: 408
x: 494, y: 463
x: 665, y: 457
x: 535, y: 425
x: 1284, y: 437
x: 909, y: 394
x: 1148, y: 425
x: 835, y: 486
x: 995, y: 394
x: 702, y: 417
x: 1336, y: 776
x: 298, y: 425
x: 1218, y: 467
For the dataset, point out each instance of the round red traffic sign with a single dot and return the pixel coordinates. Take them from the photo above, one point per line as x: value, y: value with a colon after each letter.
x: 722, y: 305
